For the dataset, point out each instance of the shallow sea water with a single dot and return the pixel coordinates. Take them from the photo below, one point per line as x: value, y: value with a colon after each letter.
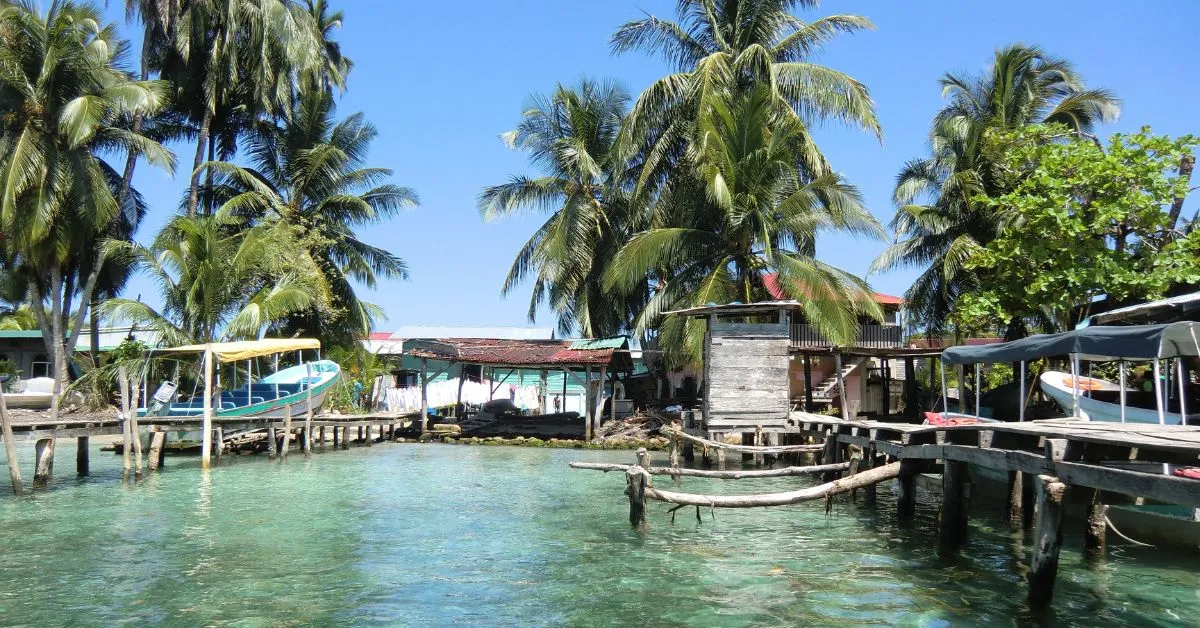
x: 437, y: 534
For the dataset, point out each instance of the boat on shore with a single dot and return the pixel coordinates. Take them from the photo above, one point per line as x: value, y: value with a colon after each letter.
x: 1100, y: 400
x: 32, y: 394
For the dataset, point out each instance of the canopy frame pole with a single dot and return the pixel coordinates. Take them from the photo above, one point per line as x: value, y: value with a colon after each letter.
x: 1182, y: 388
x: 978, y: 378
x: 1191, y: 329
x: 1123, y: 391
x: 206, y: 428
x: 1075, y: 385
x: 1158, y: 390
x: 962, y: 388
x: 1021, y: 405
x: 276, y: 376
x: 945, y: 396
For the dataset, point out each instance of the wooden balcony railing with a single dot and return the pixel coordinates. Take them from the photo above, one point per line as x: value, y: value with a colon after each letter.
x: 869, y: 336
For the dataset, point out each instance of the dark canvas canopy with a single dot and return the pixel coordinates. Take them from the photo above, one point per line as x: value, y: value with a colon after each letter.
x: 1136, y: 342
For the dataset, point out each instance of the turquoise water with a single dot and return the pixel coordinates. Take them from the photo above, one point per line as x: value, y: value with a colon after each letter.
x: 437, y: 534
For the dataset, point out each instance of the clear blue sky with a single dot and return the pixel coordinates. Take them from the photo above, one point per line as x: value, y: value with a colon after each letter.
x: 441, y: 82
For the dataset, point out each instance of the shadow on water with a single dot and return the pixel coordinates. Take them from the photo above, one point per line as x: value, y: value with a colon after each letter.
x: 430, y: 534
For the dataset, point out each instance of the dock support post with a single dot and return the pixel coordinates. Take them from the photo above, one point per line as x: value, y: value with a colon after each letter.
x: 81, y: 455
x: 337, y: 441
x: 361, y: 436
x: 272, y: 443
x: 808, y: 388
x: 220, y: 445
x: 425, y: 395
x: 758, y: 442
x: 321, y: 437
x: 954, y: 502
x: 157, y: 440
x: 10, y: 449
x: 345, y: 437
x: 287, y: 432
x: 367, y: 427
x: 841, y: 384
x: 829, y: 455
x: 206, y: 426
x: 868, y: 463
x: 1047, y: 539
x: 674, y: 454
x: 1094, y: 533
x: 126, y: 424
x: 1016, y: 498
x: 719, y: 437
x: 636, y: 480
x: 43, y: 452
x: 906, y: 501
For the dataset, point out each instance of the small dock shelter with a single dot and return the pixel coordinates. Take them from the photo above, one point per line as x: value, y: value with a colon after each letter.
x: 596, y: 365
x: 763, y: 359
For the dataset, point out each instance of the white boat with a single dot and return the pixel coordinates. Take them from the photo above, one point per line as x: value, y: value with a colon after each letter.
x: 33, y: 394
x: 1100, y: 400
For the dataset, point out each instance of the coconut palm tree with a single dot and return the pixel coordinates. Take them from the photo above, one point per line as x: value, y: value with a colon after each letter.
x: 723, y: 45
x: 570, y: 136
x: 744, y: 212
x: 219, y: 279
x: 64, y: 93
x: 937, y: 224
x: 309, y: 172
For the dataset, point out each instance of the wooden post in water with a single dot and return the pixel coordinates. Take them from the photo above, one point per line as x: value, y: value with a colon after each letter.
x: 674, y: 453
x: 135, y: 429
x: 367, y: 427
x: 424, y: 395
x: 345, y: 437
x: 1047, y: 542
x: 1096, y: 529
x: 829, y: 455
x: 758, y: 442
x: 81, y: 455
x: 206, y: 428
x: 308, y: 413
x: 1016, y: 498
x: 906, y: 501
x: 954, y: 506
x: 337, y: 441
x: 361, y: 436
x: 157, y: 440
x: 126, y: 424
x: 43, y: 452
x: 10, y: 448
x: 636, y: 479
x: 841, y: 384
x: 868, y: 463
x: 720, y: 437
x: 287, y: 432
x: 271, y: 443
x: 220, y: 438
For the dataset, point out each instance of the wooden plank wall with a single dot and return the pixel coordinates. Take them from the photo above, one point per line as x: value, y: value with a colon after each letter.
x: 748, y: 373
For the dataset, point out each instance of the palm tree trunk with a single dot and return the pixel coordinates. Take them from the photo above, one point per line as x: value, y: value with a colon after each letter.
x: 1186, y: 164
x: 94, y: 346
x: 201, y: 144
x: 208, y: 179
x: 56, y: 333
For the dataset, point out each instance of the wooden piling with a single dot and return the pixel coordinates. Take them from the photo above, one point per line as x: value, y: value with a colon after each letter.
x: 868, y: 463
x: 829, y: 455
x: 674, y: 456
x: 361, y: 437
x: 1096, y: 527
x: 10, y: 449
x: 954, y: 503
x: 271, y: 443
x: 758, y: 442
x: 81, y: 455
x: 636, y: 479
x: 308, y: 415
x: 134, y: 428
x: 43, y: 452
x: 367, y: 429
x: 345, y: 437
x: 906, y: 501
x: 1047, y: 539
x: 287, y: 432
x: 126, y: 424
x: 1016, y: 498
x: 321, y: 437
x: 720, y: 452
x: 220, y: 443
x: 157, y: 442
x: 337, y: 440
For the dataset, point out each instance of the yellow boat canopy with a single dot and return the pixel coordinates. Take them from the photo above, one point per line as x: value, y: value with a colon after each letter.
x: 246, y: 349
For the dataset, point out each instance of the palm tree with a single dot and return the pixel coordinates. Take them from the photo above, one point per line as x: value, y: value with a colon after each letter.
x: 720, y: 46
x: 570, y: 135
x: 746, y: 211
x: 63, y: 95
x: 236, y: 60
x: 219, y: 279
x: 937, y: 224
x: 310, y: 172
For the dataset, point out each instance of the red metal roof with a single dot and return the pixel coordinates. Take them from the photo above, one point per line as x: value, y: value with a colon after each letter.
x: 380, y: 335
x: 500, y: 352
x: 771, y: 281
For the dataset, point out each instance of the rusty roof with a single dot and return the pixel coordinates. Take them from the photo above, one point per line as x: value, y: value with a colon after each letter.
x: 517, y: 353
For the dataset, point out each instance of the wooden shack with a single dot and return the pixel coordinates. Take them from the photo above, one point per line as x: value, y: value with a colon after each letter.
x: 746, y: 375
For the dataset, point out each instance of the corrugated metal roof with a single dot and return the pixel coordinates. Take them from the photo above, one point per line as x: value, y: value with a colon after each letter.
x: 616, y: 342
x: 490, y: 333
x: 508, y: 352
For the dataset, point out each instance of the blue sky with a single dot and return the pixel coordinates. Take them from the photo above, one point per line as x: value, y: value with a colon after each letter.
x: 441, y: 82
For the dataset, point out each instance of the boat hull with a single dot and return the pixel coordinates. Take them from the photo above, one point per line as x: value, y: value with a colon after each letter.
x: 1054, y: 384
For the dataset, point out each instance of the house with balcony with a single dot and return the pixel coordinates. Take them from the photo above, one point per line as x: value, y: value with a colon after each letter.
x: 765, y: 359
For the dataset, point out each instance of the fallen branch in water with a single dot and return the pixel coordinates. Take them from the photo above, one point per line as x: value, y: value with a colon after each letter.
x: 723, y: 475
x: 822, y: 491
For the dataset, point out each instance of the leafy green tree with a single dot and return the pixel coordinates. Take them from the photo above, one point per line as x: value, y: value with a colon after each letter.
x: 570, y: 136
x: 309, y: 172
x: 1080, y: 221
x: 220, y: 279
x: 63, y: 94
x: 744, y: 212
x: 938, y: 223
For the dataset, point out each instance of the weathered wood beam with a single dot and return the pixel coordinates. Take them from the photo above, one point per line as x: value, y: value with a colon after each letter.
x: 822, y: 491
x: 667, y: 430
x: 721, y: 475
x: 81, y: 455
x: 954, y: 503
x: 43, y: 453
x: 158, y: 441
x: 1047, y: 539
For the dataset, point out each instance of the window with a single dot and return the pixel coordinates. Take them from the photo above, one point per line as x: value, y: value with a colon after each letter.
x: 40, y: 367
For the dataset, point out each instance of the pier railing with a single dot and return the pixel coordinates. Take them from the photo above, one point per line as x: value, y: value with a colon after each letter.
x: 804, y: 335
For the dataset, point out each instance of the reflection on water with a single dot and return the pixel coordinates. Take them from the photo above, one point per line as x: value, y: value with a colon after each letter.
x: 431, y: 534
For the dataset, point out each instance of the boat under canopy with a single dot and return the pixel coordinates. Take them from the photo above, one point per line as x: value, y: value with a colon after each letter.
x: 1096, y: 344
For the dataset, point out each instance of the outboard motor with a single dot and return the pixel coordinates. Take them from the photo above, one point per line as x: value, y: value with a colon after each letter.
x: 162, y: 397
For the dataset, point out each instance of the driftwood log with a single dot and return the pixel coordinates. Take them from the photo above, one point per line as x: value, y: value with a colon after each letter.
x: 721, y: 475
x: 822, y: 491
x: 782, y: 449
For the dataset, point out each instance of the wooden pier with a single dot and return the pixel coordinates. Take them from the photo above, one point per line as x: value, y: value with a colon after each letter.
x: 1110, y: 462
x: 345, y: 428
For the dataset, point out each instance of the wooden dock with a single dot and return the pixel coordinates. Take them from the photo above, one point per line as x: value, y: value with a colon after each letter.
x: 1111, y: 463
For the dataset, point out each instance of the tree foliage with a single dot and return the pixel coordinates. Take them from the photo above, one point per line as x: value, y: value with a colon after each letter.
x: 1079, y: 221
